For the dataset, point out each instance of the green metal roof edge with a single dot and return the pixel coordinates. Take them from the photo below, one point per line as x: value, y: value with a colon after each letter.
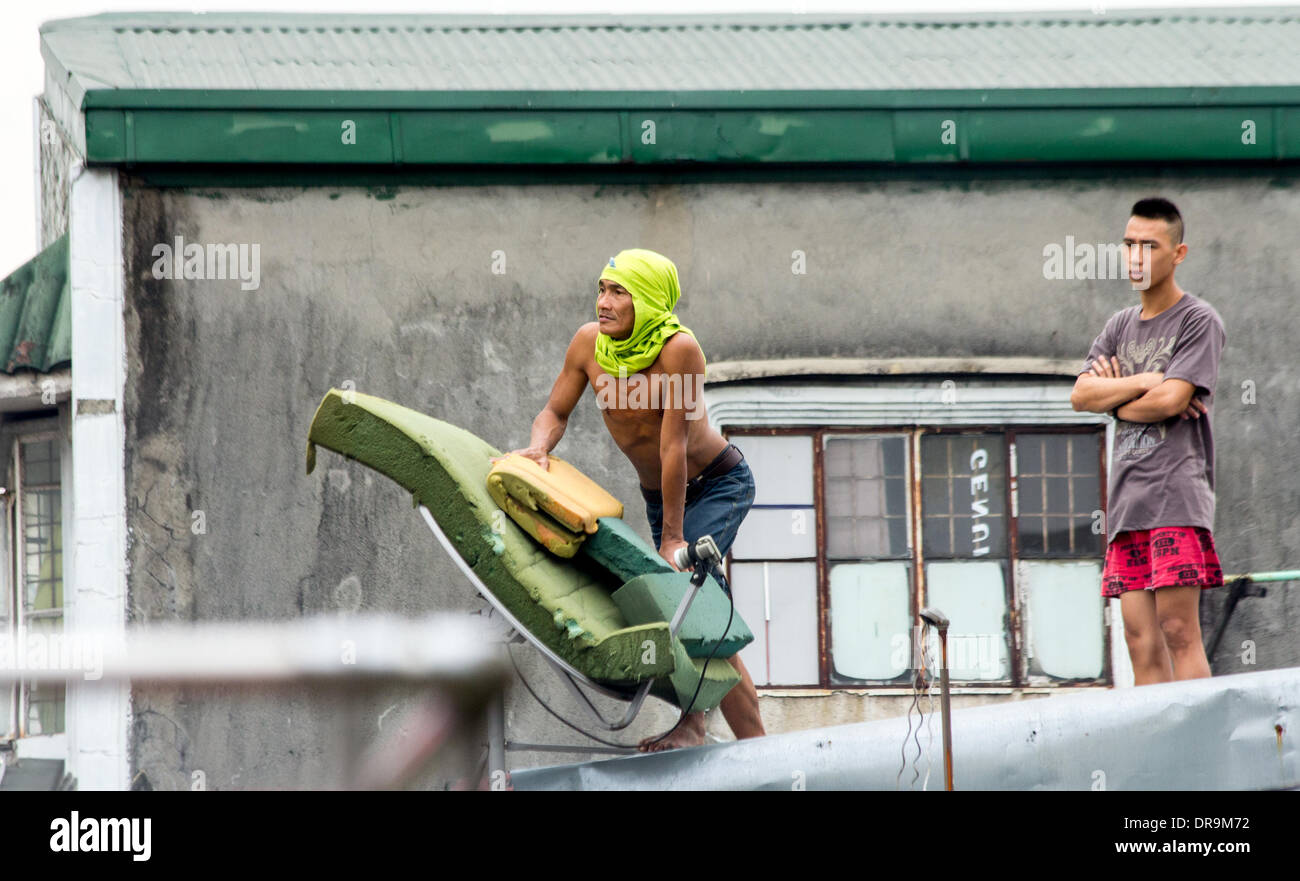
x: 35, y: 312
x: 827, y: 99
x: 1238, y: 132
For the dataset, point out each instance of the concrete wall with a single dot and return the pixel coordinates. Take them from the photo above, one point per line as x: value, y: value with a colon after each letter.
x: 56, y: 157
x: 395, y: 292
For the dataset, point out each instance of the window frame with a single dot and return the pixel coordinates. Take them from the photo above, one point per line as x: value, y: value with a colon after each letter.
x: 1018, y: 678
x: 13, y: 434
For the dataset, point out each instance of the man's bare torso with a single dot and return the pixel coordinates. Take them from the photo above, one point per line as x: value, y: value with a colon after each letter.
x: 633, y: 415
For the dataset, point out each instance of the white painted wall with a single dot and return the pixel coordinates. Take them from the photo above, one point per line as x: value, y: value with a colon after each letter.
x: 95, y: 534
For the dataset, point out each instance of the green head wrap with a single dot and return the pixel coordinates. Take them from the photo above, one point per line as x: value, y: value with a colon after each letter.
x: 651, y: 279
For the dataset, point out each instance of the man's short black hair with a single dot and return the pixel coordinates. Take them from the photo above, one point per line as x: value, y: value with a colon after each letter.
x: 1156, y: 208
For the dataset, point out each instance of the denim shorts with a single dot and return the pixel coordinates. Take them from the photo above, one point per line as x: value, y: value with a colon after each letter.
x: 717, y: 510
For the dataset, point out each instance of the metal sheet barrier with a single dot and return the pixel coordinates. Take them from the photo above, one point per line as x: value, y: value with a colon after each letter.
x: 1229, y: 733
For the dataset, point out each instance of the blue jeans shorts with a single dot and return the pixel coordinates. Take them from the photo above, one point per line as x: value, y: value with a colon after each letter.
x: 714, y: 507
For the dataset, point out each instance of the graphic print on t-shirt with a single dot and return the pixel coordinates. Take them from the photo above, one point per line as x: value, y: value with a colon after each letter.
x: 1134, y: 440
x: 1150, y: 357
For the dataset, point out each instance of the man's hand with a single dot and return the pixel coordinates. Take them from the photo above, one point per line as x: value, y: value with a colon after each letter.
x: 1194, y: 409
x: 537, y: 454
x: 1108, y: 368
x: 1103, y: 388
x: 668, y: 548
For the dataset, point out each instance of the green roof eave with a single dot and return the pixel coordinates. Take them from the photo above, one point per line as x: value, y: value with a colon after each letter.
x: 665, y: 128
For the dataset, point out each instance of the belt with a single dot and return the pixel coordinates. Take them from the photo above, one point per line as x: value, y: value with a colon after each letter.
x: 721, y: 464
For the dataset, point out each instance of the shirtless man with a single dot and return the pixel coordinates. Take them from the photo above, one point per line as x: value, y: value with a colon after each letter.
x: 647, y: 371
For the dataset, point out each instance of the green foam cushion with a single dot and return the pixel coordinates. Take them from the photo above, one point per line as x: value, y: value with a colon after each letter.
x: 719, y: 678
x: 655, y: 597
x: 445, y: 469
x: 617, y: 549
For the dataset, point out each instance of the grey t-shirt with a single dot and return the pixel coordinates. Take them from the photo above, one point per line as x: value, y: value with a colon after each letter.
x: 1162, y: 473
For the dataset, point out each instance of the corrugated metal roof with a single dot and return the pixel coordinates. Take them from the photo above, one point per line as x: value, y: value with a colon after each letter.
x: 1240, y: 47
x: 35, y: 321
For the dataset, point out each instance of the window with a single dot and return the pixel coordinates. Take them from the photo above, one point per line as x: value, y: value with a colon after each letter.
x: 868, y: 553
x: 774, y: 564
x: 854, y: 529
x: 33, y: 597
x: 1060, y: 542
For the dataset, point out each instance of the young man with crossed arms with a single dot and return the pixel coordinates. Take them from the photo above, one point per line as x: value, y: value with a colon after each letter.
x: 1155, y: 365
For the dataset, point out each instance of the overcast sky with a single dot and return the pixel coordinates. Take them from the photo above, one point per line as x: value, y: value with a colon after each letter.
x: 23, y: 69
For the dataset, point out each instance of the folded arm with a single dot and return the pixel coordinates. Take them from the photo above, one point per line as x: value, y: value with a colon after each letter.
x: 1171, y: 398
x: 1102, y: 389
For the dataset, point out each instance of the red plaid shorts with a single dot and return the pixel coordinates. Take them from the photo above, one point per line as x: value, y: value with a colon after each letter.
x: 1169, y: 556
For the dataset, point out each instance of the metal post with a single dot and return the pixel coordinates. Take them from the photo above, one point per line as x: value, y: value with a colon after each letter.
x: 947, y: 712
x: 933, y: 616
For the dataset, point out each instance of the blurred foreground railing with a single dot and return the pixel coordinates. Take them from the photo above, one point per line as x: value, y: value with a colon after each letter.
x: 457, y: 657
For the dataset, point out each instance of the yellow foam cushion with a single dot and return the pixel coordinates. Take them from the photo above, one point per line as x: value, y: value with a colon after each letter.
x: 555, y: 538
x: 558, y: 506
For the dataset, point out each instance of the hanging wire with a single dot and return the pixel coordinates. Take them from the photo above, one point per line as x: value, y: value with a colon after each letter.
x: 929, y: 719
x: 902, y: 753
x: 902, y: 766
x: 922, y: 678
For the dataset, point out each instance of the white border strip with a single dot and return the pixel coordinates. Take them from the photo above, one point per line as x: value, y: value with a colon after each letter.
x: 95, y: 547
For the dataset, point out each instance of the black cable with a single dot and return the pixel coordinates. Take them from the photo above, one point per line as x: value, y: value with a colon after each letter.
x: 898, y: 778
x: 916, y: 738
x: 704, y: 671
x: 601, y: 740
x: 918, y: 679
x: 545, y: 707
x: 925, y: 678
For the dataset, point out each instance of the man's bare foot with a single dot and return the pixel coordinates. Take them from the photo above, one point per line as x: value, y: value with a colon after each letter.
x: 689, y: 733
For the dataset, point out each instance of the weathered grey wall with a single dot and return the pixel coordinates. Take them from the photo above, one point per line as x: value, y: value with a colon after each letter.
x: 397, y: 294
x: 56, y: 160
